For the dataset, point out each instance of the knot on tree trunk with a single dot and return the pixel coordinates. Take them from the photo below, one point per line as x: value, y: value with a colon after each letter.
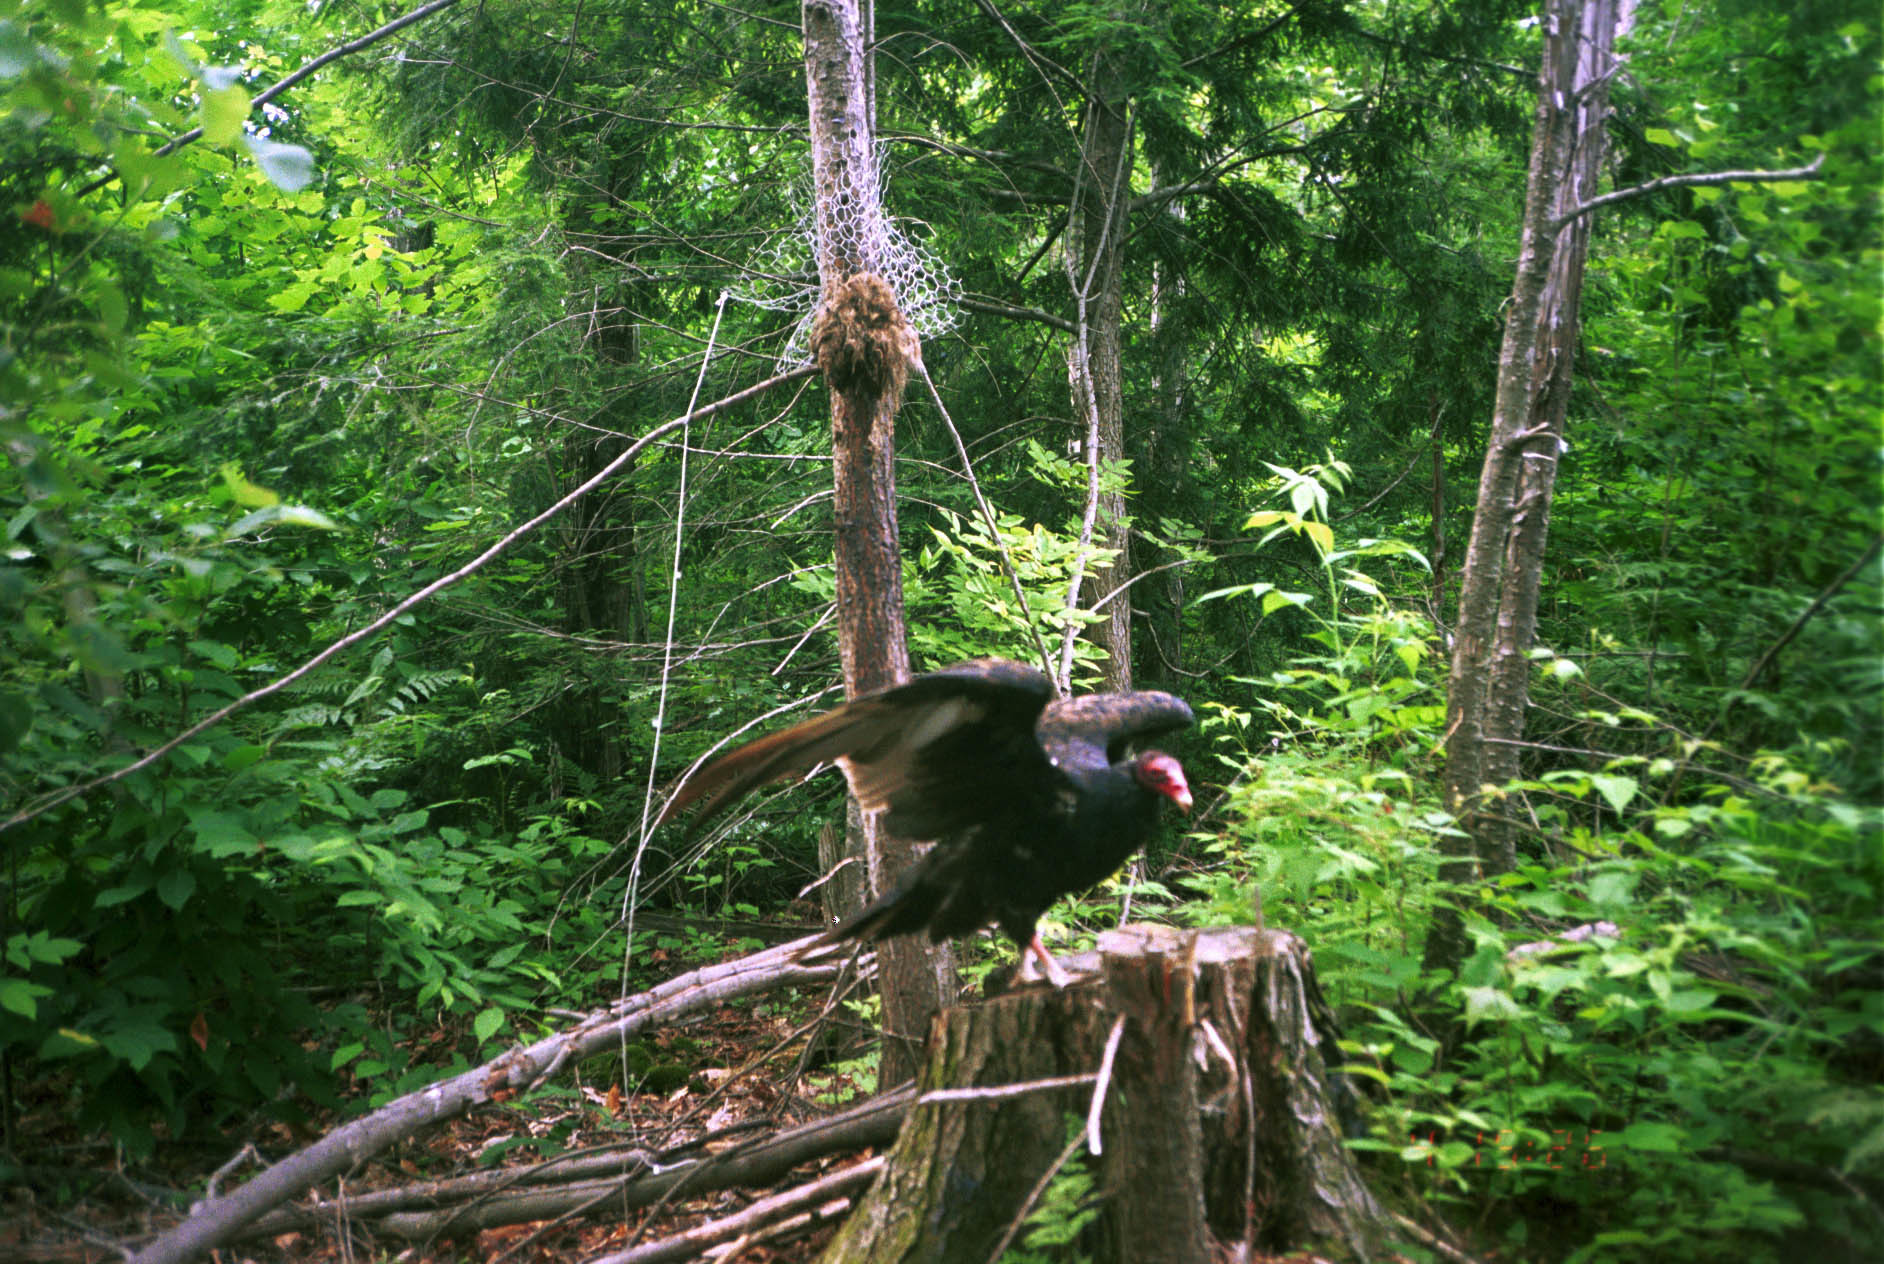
x: 861, y: 339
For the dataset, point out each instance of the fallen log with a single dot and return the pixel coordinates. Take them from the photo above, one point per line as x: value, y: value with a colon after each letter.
x: 1213, y: 1121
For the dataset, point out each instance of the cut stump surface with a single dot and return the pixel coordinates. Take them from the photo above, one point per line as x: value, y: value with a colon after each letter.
x: 1218, y: 1127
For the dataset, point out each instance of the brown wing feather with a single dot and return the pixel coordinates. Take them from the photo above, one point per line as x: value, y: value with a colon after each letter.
x: 880, y: 740
x: 798, y: 749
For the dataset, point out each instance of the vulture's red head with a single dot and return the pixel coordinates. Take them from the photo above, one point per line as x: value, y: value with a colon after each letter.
x: 1161, y: 774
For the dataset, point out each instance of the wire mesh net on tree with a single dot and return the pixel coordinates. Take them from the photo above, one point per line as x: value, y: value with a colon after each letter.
x: 782, y: 275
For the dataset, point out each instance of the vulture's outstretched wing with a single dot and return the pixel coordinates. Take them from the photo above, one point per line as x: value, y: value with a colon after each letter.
x: 930, y: 752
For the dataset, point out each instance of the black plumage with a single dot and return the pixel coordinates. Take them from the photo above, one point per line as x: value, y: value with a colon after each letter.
x: 1028, y: 797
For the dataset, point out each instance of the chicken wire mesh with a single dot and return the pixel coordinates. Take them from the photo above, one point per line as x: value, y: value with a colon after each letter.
x: 782, y: 274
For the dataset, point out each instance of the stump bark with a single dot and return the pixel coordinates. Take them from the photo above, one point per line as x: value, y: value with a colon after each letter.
x: 1219, y: 1125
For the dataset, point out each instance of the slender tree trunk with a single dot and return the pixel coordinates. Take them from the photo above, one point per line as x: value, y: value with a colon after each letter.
x: 1166, y: 448
x: 865, y: 347
x: 1440, y: 557
x: 1504, y: 557
x: 600, y: 586
x: 1096, y: 268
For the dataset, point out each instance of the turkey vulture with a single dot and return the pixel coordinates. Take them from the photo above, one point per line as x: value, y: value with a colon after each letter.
x: 1028, y: 797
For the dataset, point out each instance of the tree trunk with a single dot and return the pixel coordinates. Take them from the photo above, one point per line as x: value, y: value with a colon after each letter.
x: 865, y: 346
x: 1217, y: 1127
x: 1165, y: 449
x: 1096, y: 270
x: 1504, y: 557
x: 599, y: 583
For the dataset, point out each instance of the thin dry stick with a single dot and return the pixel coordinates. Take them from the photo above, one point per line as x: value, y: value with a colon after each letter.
x: 1033, y: 1196
x: 1090, y: 1137
x: 1805, y: 616
x: 994, y: 530
x: 690, y: 1244
x: 437, y: 586
x: 1018, y: 1089
x: 1082, y: 372
x: 633, y: 889
x: 1104, y: 1077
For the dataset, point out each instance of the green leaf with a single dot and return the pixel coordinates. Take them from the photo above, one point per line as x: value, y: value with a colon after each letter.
x: 224, y: 111
x: 294, y: 297
x: 303, y: 516
x: 124, y: 893
x: 1654, y: 1138
x: 1321, y: 535
x: 1616, y: 790
x: 243, y: 756
x: 289, y: 168
x: 220, y: 834
x: 24, y: 950
x: 1613, y: 889
x: 176, y: 887
x: 18, y: 53
x: 1489, y: 1004
x: 22, y: 997
x: 243, y: 492
x: 485, y: 1025
x: 67, y: 1042
x: 137, y: 1041
x: 16, y: 719
x: 1691, y: 1000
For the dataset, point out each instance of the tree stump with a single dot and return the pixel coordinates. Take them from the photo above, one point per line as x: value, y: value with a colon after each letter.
x: 1218, y: 1128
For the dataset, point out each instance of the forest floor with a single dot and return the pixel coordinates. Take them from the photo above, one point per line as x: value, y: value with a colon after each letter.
x: 731, y: 1073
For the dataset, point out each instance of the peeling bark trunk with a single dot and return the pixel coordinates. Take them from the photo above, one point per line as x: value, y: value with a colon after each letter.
x: 1503, y: 570
x: 864, y: 346
x: 1217, y: 1127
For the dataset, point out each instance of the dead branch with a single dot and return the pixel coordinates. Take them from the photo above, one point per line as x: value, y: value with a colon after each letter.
x: 430, y: 590
x: 1808, y: 172
x: 994, y: 531
x: 815, y: 1196
x: 994, y: 307
x: 626, y: 1178
x: 217, y: 1220
x: 1805, y: 616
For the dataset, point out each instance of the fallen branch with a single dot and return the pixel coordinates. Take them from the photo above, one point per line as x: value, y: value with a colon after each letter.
x: 832, y: 1189
x: 565, y: 1187
x: 216, y: 1221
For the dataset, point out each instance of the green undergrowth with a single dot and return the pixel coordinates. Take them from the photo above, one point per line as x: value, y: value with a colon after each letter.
x: 1667, y: 1041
